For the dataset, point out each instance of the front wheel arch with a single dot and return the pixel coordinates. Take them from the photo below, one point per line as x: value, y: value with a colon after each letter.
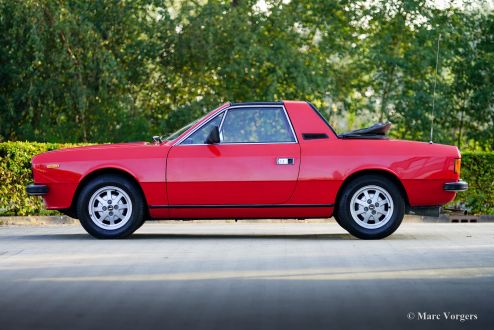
x: 72, y: 211
x: 102, y: 195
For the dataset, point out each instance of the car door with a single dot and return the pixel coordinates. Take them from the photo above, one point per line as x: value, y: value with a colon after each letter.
x: 255, y: 164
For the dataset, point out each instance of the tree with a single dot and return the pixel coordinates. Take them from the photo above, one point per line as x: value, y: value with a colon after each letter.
x: 106, y: 71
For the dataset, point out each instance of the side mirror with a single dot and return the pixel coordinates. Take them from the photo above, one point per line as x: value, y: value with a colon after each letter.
x: 214, y: 136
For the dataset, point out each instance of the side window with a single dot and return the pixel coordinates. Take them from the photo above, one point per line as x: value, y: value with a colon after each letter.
x: 200, y: 136
x: 256, y: 125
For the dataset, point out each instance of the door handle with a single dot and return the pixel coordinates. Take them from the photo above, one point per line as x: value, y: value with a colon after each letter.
x: 285, y: 161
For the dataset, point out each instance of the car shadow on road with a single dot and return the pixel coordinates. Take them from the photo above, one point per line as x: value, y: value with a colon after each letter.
x: 164, y: 236
x: 207, y: 236
x: 260, y: 236
x: 241, y: 236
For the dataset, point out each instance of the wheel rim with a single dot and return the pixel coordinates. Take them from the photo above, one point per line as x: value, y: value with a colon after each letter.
x: 110, y: 208
x: 371, y: 207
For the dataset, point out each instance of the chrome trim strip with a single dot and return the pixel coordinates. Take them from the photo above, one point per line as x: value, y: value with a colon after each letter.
x: 238, y: 206
x: 233, y: 143
x: 179, y: 143
x: 221, y: 125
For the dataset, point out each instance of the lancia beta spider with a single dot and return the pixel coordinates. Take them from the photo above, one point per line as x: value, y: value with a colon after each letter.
x: 251, y: 161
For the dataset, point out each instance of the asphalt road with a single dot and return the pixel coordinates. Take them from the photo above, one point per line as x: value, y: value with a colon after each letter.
x: 247, y: 276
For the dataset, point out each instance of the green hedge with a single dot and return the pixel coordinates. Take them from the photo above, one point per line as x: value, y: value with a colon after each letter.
x: 15, y: 174
x: 478, y: 170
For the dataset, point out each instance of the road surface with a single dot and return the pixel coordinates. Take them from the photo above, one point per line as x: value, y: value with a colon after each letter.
x: 248, y: 276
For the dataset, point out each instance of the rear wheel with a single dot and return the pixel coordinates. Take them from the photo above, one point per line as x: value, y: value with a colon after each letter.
x: 111, y: 206
x: 371, y: 207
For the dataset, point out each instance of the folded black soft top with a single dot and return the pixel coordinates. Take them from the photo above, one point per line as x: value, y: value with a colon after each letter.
x: 376, y: 131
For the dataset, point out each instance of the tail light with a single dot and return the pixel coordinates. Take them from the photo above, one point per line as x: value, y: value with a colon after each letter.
x: 457, y: 165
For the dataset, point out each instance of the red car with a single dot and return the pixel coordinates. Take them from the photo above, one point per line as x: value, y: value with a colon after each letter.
x: 251, y: 160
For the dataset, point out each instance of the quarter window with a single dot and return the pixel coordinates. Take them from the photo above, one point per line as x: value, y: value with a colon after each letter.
x: 200, y: 136
x: 256, y: 125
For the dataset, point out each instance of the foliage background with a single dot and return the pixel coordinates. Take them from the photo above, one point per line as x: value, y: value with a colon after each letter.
x: 103, y: 71
x: 75, y: 71
x: 15, y: 174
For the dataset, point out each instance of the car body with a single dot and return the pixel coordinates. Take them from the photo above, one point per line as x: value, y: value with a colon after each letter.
x: 251, y: 160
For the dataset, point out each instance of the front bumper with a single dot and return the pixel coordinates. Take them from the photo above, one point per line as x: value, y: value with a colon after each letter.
x: 456, y: 186
x: 37, y: 189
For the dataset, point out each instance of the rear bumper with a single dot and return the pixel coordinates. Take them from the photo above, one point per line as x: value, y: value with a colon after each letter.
x: 456, y: 186
x: 37, y: 189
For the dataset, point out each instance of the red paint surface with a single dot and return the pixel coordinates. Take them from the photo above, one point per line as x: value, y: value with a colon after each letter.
x: 245, y: 174
x: 231, y: 174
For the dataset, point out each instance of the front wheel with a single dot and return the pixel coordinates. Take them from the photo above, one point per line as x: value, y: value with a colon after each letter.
x: 371, y: 207
x: 110, y: 206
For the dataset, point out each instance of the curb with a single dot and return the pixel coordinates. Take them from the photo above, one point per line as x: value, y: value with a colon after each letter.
x: 459, y: 218
x: 37, y: 220
x: 65, y: 220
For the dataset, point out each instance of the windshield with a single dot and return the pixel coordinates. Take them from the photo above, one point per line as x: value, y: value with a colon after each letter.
x: 175, y: 135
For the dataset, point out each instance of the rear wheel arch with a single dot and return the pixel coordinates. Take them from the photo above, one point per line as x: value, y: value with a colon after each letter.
x: 100, y: 172
x: 379, y: 172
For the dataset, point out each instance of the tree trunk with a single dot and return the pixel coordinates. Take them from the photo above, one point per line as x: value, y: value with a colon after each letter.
x: 384, y: 96
x: 460, y: 131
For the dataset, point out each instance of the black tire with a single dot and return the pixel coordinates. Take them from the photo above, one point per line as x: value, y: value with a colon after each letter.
x: 142, y: 223
x: 338, y: 220
x: 378, y: 225
x: 134, y: 215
